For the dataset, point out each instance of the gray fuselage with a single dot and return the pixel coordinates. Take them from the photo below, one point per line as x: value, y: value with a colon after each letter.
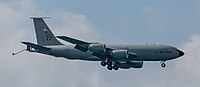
x: 144, y: 52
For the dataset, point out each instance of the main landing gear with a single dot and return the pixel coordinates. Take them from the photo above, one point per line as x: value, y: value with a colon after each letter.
x: 110, y: 65
x: 163, y: 64
x: 103, y: 63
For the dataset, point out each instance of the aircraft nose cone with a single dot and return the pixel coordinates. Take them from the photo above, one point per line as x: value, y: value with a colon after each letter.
x: 181, y: 53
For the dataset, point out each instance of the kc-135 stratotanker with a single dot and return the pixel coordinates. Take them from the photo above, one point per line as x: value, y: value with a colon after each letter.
x: 114, y: 56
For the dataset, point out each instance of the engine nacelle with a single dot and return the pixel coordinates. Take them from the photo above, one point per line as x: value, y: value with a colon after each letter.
x: 128, y: 65
x: 119, y: 54
x: 136, y: 64
x: 97, y: 48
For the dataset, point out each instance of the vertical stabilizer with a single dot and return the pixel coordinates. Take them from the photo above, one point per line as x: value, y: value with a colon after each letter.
x: 43, y: 34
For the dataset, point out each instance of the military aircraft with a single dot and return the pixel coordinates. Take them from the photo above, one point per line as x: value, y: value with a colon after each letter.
x: 113, y: 56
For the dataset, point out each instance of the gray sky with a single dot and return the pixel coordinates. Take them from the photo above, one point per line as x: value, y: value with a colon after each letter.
x: 166, y: 22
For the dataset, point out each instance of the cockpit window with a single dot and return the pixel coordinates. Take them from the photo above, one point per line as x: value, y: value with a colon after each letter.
x: 173, y: 48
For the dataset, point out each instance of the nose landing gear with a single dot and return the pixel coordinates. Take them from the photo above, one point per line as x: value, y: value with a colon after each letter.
x: 163, y: 64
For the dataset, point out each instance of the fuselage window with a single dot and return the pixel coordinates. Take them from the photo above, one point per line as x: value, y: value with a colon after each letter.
x: 167, y: 52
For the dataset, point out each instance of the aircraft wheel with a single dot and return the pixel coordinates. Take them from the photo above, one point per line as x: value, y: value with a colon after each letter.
x: 163, y: 65
x: 109, y: 63
x: 103, y: 63
x: 109, y: 67
x: 115, y: 67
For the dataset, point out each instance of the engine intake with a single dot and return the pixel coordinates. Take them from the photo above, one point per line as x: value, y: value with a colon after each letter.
x: 97, y: 48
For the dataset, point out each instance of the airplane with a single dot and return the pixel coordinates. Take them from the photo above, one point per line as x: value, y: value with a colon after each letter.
x: 114, y: 56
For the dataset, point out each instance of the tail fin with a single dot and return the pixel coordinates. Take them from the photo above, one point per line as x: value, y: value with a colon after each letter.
x: 43, y: 34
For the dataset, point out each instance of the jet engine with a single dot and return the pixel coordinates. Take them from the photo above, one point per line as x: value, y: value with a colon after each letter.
x: 133, y: 64
x: 97, y: 48
x: 119, y: 54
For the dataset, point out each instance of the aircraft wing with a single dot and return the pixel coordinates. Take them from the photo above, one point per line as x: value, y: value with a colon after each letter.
x: 72, y: 40
x: 83, y: 46
x: 35, y: 46
x: 80, y: 45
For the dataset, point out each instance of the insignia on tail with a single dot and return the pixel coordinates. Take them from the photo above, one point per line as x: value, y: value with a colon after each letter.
x: 43, y: 34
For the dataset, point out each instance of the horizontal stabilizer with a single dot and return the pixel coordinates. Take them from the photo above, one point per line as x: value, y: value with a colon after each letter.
x: 72, y: 40
x: 35, y: 46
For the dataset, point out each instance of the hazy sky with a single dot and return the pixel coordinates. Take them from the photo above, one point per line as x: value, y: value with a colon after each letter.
x: 175, y: 23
